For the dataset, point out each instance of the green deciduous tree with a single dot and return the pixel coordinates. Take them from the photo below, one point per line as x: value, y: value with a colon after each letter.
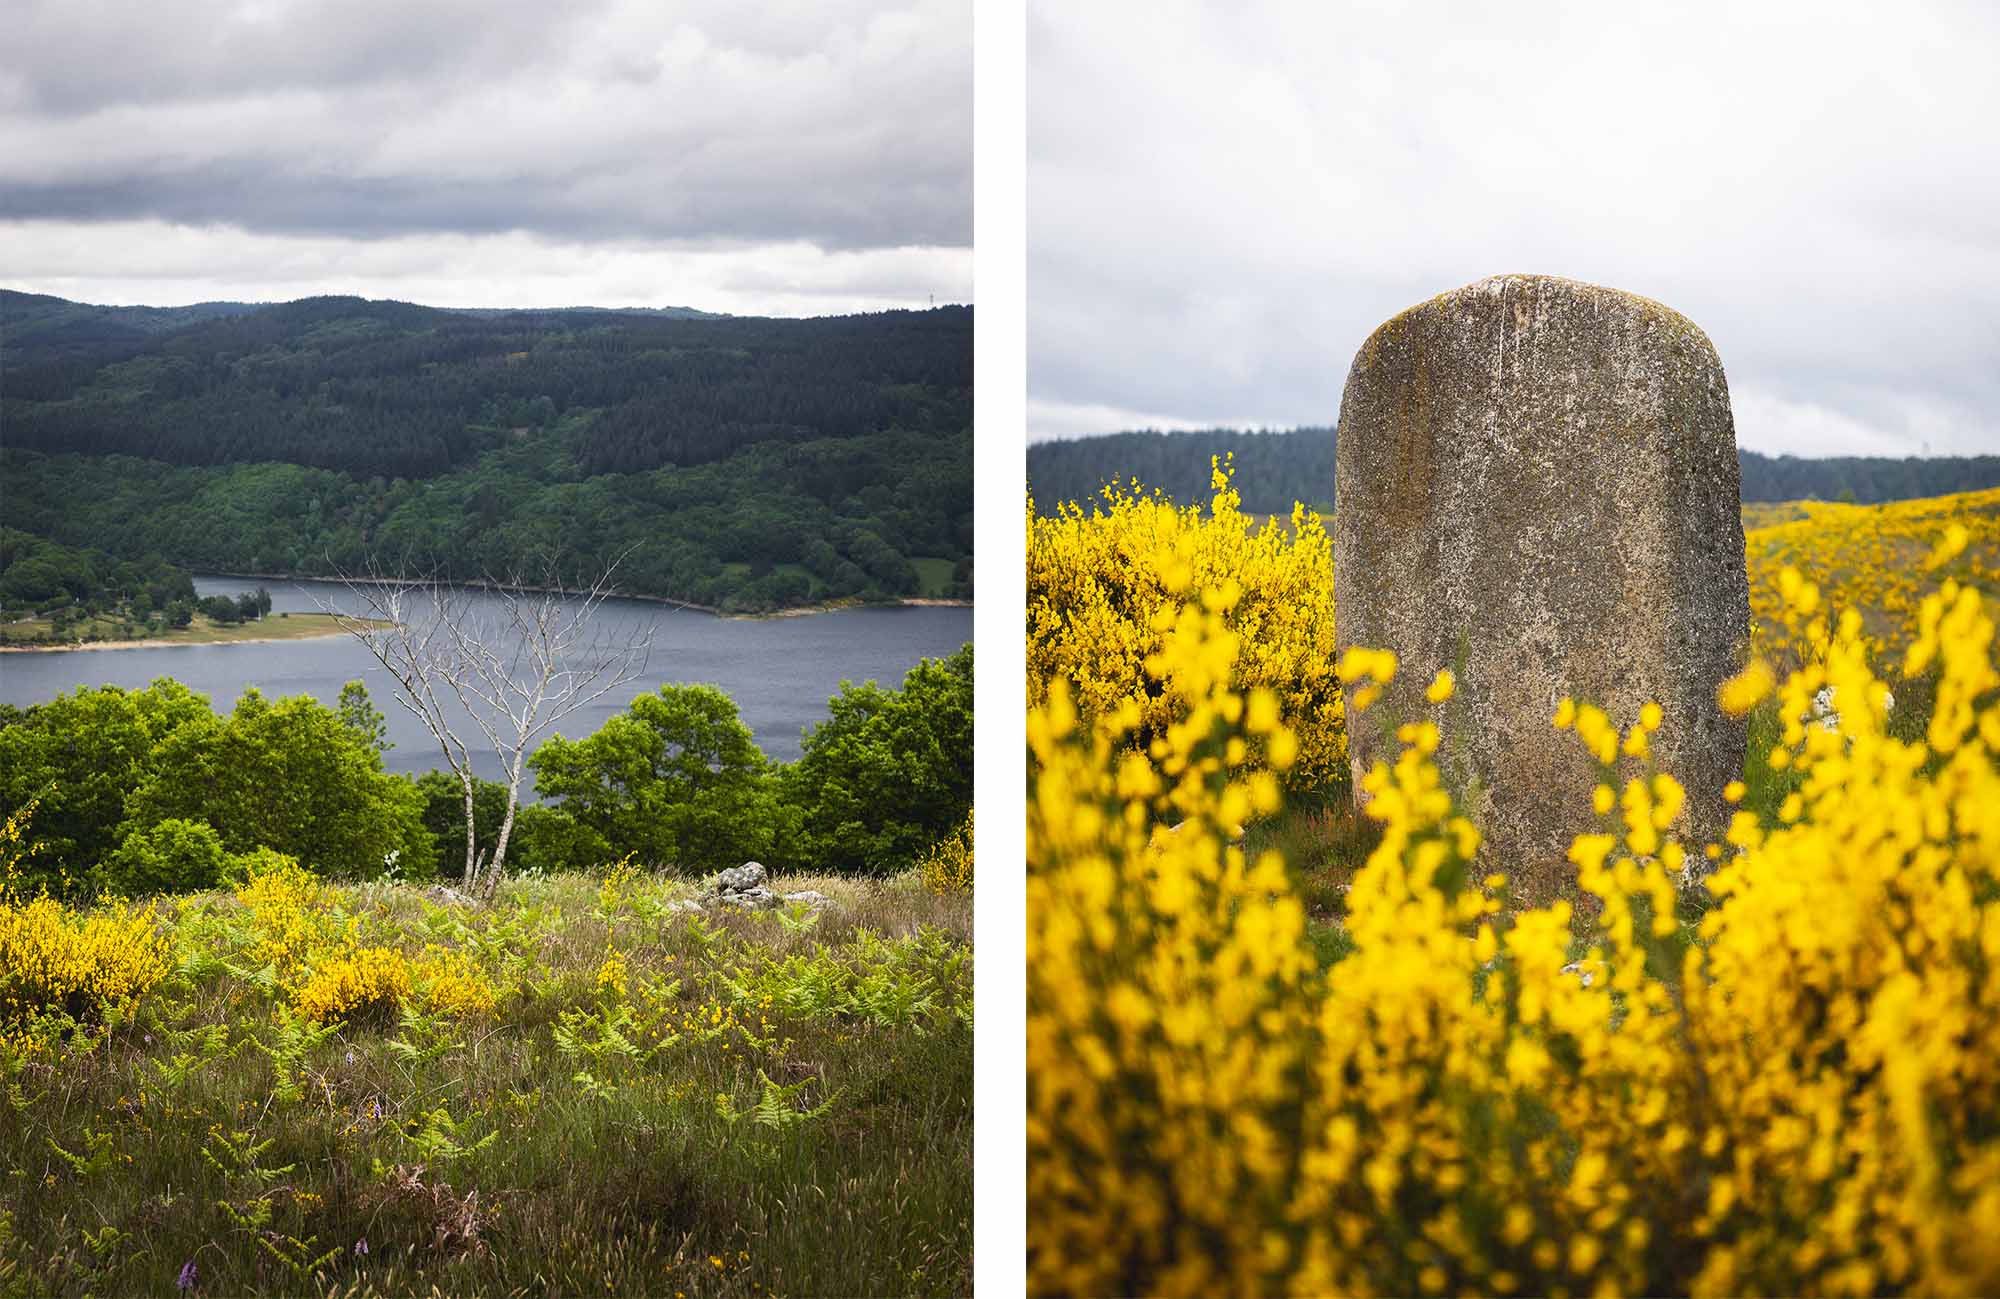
x: 678, y: 779
x: 82, y: 753
x: 889, y: 773
x: 550, y: 839
x: 290, y: 776
x: 359, y: 714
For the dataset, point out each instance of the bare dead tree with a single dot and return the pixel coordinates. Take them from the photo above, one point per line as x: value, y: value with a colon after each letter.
x: 515, y: 664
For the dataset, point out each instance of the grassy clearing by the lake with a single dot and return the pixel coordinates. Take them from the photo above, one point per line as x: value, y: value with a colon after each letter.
x: 933, y: 574
x: 113, y: 633
x: 374, y: 1090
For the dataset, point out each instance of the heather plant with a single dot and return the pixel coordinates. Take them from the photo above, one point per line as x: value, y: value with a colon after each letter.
x: 1794, y: 1093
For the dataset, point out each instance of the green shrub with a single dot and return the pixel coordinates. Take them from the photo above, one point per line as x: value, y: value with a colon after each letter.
x: 175, y: 855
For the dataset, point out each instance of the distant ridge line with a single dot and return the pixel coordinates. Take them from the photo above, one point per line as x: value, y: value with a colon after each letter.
x: 1274, y: 468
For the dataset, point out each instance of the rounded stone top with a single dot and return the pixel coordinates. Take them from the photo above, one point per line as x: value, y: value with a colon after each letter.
x: 1547, y: 292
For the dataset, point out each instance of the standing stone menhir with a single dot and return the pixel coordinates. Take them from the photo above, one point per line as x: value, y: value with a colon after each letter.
x: 1537, y: 486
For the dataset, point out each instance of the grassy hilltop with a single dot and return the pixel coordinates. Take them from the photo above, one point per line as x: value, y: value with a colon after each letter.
x: 371, y: 1090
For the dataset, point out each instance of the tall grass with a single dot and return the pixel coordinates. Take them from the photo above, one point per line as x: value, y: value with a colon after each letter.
x: 660, y: 1104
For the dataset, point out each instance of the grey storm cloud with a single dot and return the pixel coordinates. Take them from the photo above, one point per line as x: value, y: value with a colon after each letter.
x: 844, y: 125
x: 1224, y: 201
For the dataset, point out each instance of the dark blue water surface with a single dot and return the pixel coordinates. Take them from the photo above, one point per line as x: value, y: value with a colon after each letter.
x: 780, y: 671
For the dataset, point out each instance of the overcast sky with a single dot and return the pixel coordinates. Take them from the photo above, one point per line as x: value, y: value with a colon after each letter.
x: 793, y: 159
x: 1225, y: 200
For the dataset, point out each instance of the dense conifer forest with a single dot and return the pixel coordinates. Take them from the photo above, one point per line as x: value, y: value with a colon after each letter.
x: 738, y: 462
x: 1274, y: 469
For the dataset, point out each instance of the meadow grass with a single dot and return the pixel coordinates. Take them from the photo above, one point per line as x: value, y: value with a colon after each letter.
x: 659, y: 1103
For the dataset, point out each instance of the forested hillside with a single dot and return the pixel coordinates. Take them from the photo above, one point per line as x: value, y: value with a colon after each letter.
x: 1275, y: 469
x: 747, y: 463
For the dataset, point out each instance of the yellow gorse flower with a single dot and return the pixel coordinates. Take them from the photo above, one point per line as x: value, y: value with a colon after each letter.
x: 57, y: 958
x: 449, y: 982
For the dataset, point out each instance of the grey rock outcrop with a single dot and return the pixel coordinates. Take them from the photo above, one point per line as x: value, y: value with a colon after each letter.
x: 745, y: 888
x: 1538, y: 488
x: 738, y: 879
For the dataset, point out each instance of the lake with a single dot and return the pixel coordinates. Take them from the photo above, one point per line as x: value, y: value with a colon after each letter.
x: 780, y: 671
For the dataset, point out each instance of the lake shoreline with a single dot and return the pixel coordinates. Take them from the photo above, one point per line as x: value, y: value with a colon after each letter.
x: 171, y: 642
x: 906, y: 602
x: 779, y: 672
x: 164, y: 644
x: 799, y: 611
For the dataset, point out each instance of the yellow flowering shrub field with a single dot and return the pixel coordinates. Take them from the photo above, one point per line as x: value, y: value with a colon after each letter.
x: 1869, y: 558
x: 1104, y: 583
x: 1788, y: 1082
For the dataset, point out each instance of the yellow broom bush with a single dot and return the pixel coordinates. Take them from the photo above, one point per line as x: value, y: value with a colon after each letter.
x: 1805, y: 1100
x: 65, y: 961
x: 450, y: 982
x: 290, y: 920
x: 80, y: 962
x: 367, y: 981
x: 947, y: 867
x: 1104, y: 589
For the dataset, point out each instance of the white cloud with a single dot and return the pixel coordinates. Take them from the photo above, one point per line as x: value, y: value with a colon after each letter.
x: 161, y: 264
x: 1224, y: 202
x: 1055, y: 419
x: 1776, y: 426
x: 760, y: 153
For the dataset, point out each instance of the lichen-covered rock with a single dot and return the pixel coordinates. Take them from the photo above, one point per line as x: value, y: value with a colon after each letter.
x: 1537, y: 487
x: 738, y: 879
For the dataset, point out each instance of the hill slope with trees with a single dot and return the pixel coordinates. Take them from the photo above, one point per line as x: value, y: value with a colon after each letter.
x: 744, y: 462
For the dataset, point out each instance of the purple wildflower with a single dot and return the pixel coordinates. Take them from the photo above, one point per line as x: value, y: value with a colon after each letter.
x: 361, y: 1247
x: 187, y: 1278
